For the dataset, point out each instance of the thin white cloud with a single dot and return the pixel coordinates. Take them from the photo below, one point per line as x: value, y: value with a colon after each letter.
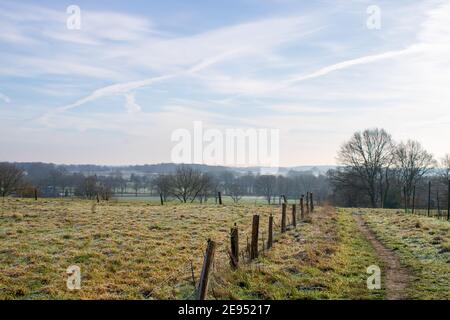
x: 127, y: 87
x: 116, y: 89
x: 355, y: 62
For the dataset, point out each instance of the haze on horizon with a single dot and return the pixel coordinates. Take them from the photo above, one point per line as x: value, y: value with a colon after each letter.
x: 113, y: 92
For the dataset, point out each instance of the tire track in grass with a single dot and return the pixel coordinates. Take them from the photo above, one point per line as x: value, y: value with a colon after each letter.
x: 396, y: 277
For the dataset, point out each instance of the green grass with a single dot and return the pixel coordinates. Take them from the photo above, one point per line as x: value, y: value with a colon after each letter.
x: 126, y: 250
x: 423, y: 246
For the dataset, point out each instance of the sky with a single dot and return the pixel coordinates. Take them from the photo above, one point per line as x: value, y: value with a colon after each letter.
x: 114, y: 91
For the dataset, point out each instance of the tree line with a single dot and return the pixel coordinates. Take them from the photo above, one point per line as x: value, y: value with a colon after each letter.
x: 185, y: 184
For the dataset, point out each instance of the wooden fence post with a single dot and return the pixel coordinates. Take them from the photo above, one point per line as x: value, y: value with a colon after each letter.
x: 302, y: 207
x: 255, y: 235
x: 270, y: 233
x: 98, y: 199
x: 414, y: 200
x: 307, y: 203
x: 220, y: 197
x: 207, y: 263
x: 311, y: 205
x: 438, y: 204
x: 406, y: 204
x: 35, y: 194
x: 283, y: 218
x: 448, y: 200
x: 161, y: 198
x: 429, y: 197
x: 234, y: 252
x: 284, y: 198
x: 294, y: 215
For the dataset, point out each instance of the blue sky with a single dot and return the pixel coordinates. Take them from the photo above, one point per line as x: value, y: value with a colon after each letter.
x: 114, y: 91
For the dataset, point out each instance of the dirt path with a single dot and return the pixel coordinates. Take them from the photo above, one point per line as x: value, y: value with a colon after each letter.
x: 396, y: 277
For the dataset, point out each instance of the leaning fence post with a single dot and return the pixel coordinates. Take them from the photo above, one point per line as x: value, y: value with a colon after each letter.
x: 302, y: 208
x: 283, y: 218
x: 294, y: 215
x: 284, y: 198
x: 234, y: 252
x: 255, y: 234
x: 312, y: 201
x: 270, y: 233
x: 161, y: 199
x: 220, y: 197
x: 429, y: 197
x: 207, y: 263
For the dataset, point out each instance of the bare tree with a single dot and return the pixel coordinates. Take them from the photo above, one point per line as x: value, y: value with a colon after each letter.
x: 90, y: 187
x: 369, y: 154
x: 187, y: 184
x: 105, y: 187
x: 235, y: 190
x: 136, y: 181
x: 163, y: 185
x: 10, y: 178
x: 412, y: 163
x: 266, y: 185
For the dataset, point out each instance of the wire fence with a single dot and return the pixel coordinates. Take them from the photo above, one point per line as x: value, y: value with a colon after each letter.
x: 432, y: 200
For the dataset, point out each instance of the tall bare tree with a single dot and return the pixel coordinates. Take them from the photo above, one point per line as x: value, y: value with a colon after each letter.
x: 136, y: 181
x: 163, y: 185
x: 10, y: 178
x: 412, y: 163
x: 266, y: 186
x: 235, y: 190
x: 187, y: 184
x: 369, y: 155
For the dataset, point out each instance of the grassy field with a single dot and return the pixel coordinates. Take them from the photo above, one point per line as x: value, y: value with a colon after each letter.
x: 130, y: 250
x: 423, y: 245
x: 141, y: 250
